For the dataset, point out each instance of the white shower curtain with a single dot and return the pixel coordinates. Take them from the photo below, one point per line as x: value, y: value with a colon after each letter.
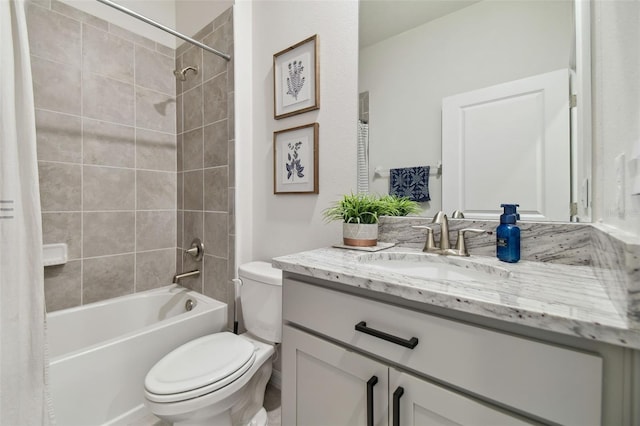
x: 23, y: 361
x: 363, y: 157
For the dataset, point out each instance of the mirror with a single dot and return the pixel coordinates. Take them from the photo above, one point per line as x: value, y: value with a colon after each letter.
x: 414, y: 54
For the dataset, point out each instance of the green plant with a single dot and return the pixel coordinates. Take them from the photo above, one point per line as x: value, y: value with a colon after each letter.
x: 403, y: 205
x: 366, y: 209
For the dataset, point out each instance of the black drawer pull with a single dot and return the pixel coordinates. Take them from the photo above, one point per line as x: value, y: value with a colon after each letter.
x: 411, y: 343
x: 396, y: 405
x: 370, y: 384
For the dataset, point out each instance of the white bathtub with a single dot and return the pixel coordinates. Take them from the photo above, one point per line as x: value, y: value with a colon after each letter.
x: 101, y: 352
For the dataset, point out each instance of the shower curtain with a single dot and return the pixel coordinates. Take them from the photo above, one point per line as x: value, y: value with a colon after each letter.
x: 363, y: 157
x: 23, y: 362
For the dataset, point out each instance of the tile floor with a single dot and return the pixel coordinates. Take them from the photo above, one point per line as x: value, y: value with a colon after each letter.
x: 271, y: 404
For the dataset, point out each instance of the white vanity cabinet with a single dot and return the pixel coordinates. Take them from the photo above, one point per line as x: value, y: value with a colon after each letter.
x: 451, y: 372
x: 332, y: 385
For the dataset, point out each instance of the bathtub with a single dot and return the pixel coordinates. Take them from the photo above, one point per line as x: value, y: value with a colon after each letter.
x: 100, y: 352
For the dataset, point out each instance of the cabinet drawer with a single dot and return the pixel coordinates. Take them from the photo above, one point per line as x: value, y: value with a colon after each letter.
x: 553, y: 383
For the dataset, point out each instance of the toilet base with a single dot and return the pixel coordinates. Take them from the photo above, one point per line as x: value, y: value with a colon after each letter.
x: 229, y: 406
x: 260, y: 419
x: 224, y: 419
x: 252, y: 400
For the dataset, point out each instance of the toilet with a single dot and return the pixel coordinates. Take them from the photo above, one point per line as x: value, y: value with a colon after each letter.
x: 220, y: 379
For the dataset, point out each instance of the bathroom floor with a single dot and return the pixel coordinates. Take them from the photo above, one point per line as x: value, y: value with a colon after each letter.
x: 271, y: 404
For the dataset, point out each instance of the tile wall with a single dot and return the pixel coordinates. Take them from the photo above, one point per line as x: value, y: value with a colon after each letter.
x: 106, y: 132
x: 205, y: 163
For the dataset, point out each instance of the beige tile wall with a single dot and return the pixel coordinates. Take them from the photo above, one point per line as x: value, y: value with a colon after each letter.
x: 205, y: 160
x: 106, y: 128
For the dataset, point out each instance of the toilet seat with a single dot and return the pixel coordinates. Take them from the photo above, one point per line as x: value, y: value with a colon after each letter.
x: 199, y: 367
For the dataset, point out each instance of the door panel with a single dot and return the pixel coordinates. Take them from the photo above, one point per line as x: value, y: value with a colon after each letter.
x: 328, y: 384
x: 426, y: 404
x: 509, y: 143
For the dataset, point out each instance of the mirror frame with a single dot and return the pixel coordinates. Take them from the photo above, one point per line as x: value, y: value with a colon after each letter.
x: 582, y: 148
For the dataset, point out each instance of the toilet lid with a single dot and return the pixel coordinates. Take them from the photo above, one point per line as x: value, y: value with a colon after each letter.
x: 199, y: 367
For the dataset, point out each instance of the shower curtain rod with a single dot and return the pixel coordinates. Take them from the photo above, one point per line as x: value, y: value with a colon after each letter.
x: 164, y: 28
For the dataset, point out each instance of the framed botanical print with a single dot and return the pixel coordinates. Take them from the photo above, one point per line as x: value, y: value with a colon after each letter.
x: 296, y: 79
x: 295, y: 160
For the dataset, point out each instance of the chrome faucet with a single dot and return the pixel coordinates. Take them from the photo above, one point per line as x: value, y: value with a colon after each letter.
x: 430, y: 246
x: 441, y: 219
x: 178, y: 277
x: 444, y: 247
x: 197, y: 252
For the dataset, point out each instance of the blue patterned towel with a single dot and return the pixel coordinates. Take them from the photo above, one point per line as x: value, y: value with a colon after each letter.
x: 412, y: 182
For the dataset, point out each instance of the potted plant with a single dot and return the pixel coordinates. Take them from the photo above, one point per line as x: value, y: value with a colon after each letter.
x: 359, y: 214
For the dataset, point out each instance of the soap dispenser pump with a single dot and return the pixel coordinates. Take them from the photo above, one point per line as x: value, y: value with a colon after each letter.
x: 508, y: 234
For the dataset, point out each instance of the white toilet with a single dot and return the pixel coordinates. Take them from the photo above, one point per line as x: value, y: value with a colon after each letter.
x: 220, y: 379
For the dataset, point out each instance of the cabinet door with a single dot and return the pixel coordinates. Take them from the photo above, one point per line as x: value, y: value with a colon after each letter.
x: 416, y: 402
x: 325, y: 384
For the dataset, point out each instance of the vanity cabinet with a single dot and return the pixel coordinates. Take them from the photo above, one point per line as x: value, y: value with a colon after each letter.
x: 332, y: 385
x: 334, y: 342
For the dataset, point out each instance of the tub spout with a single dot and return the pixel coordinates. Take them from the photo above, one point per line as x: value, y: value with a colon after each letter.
x: 178, y: 277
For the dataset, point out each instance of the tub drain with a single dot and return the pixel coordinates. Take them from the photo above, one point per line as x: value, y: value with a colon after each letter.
x: 189, y: 305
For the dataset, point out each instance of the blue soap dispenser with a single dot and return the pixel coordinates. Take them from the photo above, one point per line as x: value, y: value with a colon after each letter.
x: 508, y: 234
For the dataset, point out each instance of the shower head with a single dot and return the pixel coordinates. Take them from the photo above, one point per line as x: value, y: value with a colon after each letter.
x: 182, y: 74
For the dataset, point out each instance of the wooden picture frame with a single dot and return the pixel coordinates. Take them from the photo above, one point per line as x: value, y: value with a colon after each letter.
x: 296, y: 79
x: 295, y: 160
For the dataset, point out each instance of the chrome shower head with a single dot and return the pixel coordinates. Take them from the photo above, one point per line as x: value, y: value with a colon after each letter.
x: 182, y: 74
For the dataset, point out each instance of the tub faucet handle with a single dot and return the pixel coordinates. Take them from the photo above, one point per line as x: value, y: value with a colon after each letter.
x: 196, y: 250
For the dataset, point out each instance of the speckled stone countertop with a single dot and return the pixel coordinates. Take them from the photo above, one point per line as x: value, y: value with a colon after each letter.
x: 567, y: 299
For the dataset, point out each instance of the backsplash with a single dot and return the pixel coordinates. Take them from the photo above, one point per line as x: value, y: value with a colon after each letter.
x: 564, y: 243
x: 106, y: 138
x: 614, y: 256
x: 617, y: 257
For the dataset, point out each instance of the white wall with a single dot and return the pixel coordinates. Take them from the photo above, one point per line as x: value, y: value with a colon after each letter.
x: 282, y: 224
x: 192, y: 15
x: 162, y: 11
x: 616, y: 108
x: 408, y: 75
x: 243, y: 66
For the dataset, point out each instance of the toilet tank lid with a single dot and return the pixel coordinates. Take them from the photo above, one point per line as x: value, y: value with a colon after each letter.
x: 261, y: 271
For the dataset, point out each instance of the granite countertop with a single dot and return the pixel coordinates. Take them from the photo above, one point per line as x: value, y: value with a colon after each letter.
x: 566, y: 299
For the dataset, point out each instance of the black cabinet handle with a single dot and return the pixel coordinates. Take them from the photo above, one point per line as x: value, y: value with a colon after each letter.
x: 396, y: 405
x: 370, y: 384
x: 411, y: 343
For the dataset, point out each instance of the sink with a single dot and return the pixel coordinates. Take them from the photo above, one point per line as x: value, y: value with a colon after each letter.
x: 433, y: 266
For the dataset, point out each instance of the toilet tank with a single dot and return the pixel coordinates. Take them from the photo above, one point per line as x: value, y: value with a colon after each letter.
x: 261, y: 298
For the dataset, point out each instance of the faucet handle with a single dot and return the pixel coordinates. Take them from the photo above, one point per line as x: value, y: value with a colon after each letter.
x: 196, y: 250
x: 430, y: 243
x: 461, y: 247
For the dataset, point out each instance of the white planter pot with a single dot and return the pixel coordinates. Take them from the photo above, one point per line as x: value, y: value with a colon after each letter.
x: 360, y: 234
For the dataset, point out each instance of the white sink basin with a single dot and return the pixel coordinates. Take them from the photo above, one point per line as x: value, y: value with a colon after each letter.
x: 433, y: 266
